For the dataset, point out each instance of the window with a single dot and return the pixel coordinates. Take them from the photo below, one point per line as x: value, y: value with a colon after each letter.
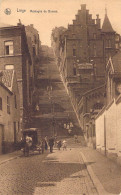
x: 73, y: 36
x: 35, y: 39
x: 18, y: 126
x: 9, y: 67
x: 117, y: 38
x: 74, y: 71
x: 74, y: 52
x: 34, y: 51
x: 108, y: 43
x: 94, y: 35
x: 15, y: 101
x: 117, y: 46
x: 0, y: 103
x: 9, y: 48
x: 8, y: 105
x: 94, y: 50
x: 14, y: 124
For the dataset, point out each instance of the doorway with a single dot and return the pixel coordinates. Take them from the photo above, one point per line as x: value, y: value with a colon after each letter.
x: 1, y: 138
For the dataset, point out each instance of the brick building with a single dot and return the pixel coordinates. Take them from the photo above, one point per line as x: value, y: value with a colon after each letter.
x: 83, y: 51
x: 86, y: 42
x: 15, y: 55
x: 10, y: 132
x: 34, y: 47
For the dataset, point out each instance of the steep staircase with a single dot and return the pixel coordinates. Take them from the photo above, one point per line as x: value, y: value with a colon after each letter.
x: 55, y: 109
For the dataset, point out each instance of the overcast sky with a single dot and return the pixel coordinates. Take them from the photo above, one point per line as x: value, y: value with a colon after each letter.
x: 44, y: 22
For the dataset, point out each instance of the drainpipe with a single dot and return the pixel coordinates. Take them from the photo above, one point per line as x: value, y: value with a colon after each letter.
x: 105, y: 135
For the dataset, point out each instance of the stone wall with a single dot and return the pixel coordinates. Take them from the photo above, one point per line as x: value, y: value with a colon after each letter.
x: 108, y: 130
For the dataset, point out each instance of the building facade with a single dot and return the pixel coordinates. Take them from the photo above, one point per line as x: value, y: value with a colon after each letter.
x: 15, y: 55
x: 83, y: 51
x: 34, y: 43
x: 108, y: 122
x: 10, y: 132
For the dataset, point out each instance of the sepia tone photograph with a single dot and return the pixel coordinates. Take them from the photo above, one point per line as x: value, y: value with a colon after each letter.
x: 60, y: 97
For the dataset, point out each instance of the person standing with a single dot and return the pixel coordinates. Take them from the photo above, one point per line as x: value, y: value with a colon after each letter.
x: 46, y: 143
x: 51, y: 144
x: 76, y: 138
x: 28, y: 144
x: 59, y: 144
x: 64, y: 145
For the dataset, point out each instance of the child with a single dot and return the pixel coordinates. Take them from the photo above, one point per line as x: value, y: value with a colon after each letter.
x: 59, y: 144
x: 64, y: 145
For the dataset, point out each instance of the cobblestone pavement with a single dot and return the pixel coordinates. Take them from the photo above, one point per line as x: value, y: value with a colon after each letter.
x: 62, y: 172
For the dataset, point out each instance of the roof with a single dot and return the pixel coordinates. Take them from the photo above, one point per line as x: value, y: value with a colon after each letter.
x: 116, y: 61
x: 4, y: 25
x: 7, y: 78
x: 107, y: 27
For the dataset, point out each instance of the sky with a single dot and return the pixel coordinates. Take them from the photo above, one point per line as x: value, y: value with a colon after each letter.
x: 64, y: 13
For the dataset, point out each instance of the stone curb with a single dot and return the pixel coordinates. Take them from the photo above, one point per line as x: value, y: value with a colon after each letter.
x: 95, y: 179
x: 9, y: 159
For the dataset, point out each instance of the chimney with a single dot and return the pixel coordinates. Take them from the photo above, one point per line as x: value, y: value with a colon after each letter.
x: 98, y: 21
x: 83, y: 7
x: 31, y: 25
x: 19, y: 23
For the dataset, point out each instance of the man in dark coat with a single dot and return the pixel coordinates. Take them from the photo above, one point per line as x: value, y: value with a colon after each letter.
x: 51, y: 144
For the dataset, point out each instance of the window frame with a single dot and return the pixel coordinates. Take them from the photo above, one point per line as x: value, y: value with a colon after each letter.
x: 74, y: 52
x: 8, y: 104
x: 8, y: 46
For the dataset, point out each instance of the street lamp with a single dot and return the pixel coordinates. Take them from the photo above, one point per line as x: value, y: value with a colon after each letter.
x: 49, y: 90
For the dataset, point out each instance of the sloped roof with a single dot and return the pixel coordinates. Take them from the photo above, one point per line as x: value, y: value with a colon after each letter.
x: 7, y: 78
x: 116, y: 61
x: 4, y: 25
x: 107, y: 27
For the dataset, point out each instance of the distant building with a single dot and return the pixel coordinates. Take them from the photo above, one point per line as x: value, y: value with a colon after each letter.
x: 16, y: 54
x: 86, y: 42
x: 83, y: 51
x: 34, y: 43
x: 89, y: 106
x: 10, y: 130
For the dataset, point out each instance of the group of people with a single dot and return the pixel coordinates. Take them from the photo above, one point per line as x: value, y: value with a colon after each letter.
x: 62, y: 144
x: 44, y: 144
x: 54, y: 142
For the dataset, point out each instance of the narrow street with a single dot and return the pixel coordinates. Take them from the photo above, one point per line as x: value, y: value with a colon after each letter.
x: 62, y: 172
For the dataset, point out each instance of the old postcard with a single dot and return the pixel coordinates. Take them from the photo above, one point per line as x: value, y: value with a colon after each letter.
x: 60, y: 97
